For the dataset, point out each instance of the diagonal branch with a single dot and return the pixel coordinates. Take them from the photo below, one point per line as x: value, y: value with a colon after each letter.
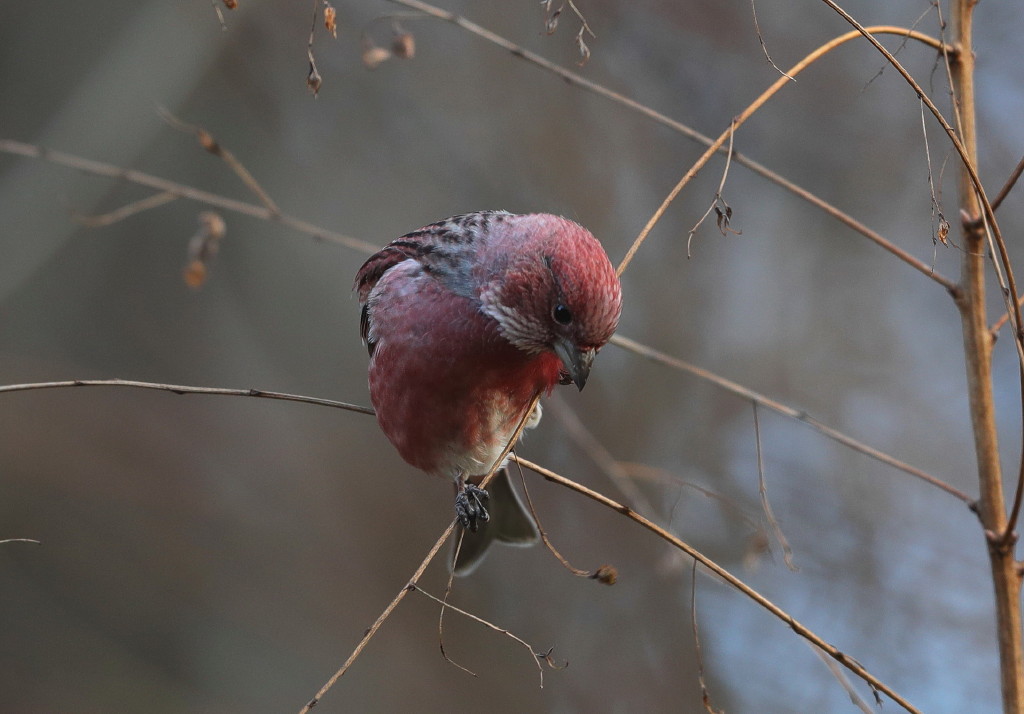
x: 372, y: 630
x: 99, y: 168
x: 832, y: 651
x: 119, y: 214
x: 1008, y: 186
x: 214, y: 147
x: 758, y: 398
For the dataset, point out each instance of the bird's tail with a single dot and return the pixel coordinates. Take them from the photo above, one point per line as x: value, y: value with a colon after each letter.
x: 509, y: 523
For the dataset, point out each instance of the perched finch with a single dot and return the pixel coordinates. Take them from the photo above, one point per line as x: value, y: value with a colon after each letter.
x: 466, y: 320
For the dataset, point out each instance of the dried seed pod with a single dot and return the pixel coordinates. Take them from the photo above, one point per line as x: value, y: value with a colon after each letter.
x: 313, y: 79
x: 404, y: 45
x: 606, y: 574
x: 230, y: 4
x: 207, y: 141
x: 203, y: 247
x: 374, y: 56
x: 213, y: 224
x: 195, y: 274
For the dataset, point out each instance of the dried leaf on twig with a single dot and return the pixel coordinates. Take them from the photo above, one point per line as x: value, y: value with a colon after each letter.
x: 331, y: 19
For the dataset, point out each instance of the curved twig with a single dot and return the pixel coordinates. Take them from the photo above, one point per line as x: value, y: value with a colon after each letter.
x: 738, y: 121
x: 445, y: 605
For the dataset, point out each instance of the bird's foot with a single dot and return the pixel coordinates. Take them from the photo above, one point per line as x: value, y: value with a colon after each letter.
x: 470, y: 506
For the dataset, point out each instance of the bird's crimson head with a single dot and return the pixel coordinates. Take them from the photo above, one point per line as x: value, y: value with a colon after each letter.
x: 549, y: 285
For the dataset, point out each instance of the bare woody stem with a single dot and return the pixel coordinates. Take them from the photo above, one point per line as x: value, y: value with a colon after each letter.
x: 984, y: 214
x: 832, y: 651
x: 978, y: 352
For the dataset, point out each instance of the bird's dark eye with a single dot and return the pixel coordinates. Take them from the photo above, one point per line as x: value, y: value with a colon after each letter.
x: 562, y: 314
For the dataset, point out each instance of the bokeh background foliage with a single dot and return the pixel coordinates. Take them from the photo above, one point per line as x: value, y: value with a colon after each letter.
x: 224, y: 554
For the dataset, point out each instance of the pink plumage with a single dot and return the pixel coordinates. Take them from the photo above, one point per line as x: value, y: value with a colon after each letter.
x: 466, y: 320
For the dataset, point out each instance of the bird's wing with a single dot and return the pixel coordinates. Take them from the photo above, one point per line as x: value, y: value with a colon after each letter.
x: 445, y: 249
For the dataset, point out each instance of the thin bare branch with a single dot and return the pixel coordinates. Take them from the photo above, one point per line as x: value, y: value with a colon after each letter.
x: 845, y: 660
x: 445, y: 605
x: 181, y: 389
x: 947, y: 62
x: 20, y: 540
x: 716, y: 145
x: 440, y: 615
x: 998, y: 324
x: 98, y: 168
x: 764, y: 47
x: 938, y: 224
x: 214, y: 147
x: 384, y: 615
x: 1008, y: 186
x: 313, y: 78
x: 599, y: 455
x: 220, y: 15
x: 578, y: 572
x: 705, y: 697
x: 418, y: 573
x: 762, y: 487
x: 855, y: 697
x: 903, y: 43
x: 781, y: 408
x: 660, y: 475
x: 119, y: 214
x: 724, y: 215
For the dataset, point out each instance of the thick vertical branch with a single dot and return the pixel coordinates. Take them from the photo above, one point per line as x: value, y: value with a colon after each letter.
x: 978, y: 351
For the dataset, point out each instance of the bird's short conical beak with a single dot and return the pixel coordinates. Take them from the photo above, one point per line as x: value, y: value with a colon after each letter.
x: 577, y: 362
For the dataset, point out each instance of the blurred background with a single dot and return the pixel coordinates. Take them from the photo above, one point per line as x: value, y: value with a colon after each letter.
x: 221, y: 554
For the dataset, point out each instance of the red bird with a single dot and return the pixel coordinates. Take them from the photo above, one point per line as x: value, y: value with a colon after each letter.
x: 465, y: 321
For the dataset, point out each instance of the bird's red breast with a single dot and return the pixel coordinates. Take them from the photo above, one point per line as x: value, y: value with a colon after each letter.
x: 463, y: 319
x: 449, y: 390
